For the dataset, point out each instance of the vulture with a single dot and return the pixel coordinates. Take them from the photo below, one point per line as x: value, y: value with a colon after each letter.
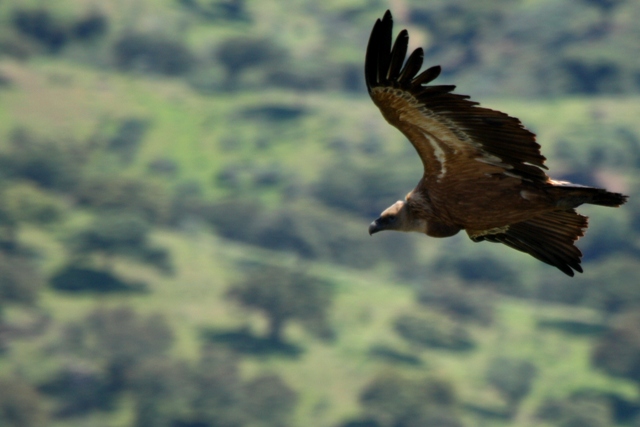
x: 483, y: 171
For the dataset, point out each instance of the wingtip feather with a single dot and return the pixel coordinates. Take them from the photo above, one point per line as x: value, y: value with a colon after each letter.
x: 427, y: 76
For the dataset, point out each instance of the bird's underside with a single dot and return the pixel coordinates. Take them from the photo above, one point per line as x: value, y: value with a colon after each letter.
x: 483, y: 171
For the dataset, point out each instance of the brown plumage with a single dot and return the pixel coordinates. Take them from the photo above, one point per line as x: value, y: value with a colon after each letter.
x: 483, y: 171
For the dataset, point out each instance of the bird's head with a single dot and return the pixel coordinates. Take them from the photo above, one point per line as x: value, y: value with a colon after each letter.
x: 397, y: 217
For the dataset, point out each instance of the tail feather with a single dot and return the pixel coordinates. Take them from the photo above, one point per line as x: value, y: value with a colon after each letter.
x: 569, y: 196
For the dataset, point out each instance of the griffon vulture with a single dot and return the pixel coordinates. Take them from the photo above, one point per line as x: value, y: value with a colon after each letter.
x: 483, y: 171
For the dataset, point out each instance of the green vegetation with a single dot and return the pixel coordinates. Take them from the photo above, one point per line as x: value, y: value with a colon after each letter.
x: 185, y: 194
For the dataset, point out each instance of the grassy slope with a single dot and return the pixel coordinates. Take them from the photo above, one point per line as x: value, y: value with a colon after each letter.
x: 51, y: 99
x: 329, y: 377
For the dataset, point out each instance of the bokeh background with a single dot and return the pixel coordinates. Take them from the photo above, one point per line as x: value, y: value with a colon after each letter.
x: 186, y: 187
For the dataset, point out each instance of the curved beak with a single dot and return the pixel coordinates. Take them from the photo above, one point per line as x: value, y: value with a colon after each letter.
x: 374, y: 227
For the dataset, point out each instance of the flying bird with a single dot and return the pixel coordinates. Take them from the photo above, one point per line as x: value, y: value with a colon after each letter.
x: 483, y: 171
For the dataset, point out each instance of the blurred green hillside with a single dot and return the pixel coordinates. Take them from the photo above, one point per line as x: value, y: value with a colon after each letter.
x: 185, y: 195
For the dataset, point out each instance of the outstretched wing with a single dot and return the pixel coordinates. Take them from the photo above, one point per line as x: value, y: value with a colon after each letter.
x: 548, y: 237
x: 451, y: 134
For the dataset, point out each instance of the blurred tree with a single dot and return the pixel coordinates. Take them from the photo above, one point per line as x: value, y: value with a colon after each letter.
x: 187, y: 205
x: 606, y: 6
x: 622, y: 290
x: 455, y: 29
x: 125, y: 339
x: 52, y: 32
x: 217, y: 10
x: 217, y: 400
x: 8, y: 224
x: 20, y: 283
x: 119, y: 340
x: 90, y: 26
x: 161, y: 390
x: 127, y: 138
x: 576, y: 411
x: 433, y: 330
x: 50, y: 164
x: 163, y: 166
x: 79, y: 390
x: 513, y: 379
x: 275, y: 112
x: 29, y: 203
x: 72, y: 278
x: 112, y: 233
x: 118, y: 233
x: 590, y: 78
x: 283, y: 295
x: 124, y: 193
x: 309, y: 231
x: 395, y: 401
x: 153, y: 53
x: 617, y: 352
x: 42, y: 26
x: 482, y: 269
x: 238, y: 54
x: 20, y: 404
x: 269, y: 401
x: 369, y: 191
x: 452, y: 297
x: 233, y: 219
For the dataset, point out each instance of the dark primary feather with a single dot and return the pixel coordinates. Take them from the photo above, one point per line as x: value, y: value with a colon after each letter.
x: 411, y: 68
x: 491, y: 131
x: 428, y: 75
x: 399, y: 51
x: 548, y: 237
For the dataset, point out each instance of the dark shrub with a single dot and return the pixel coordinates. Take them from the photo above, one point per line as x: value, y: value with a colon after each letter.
x: 119, y: 233
x: 164, y: 167
x: 369, y: 189
x: 574, y: 411
x: 50, y: 164
x: 42, y: 26
x: 90, y: 26
x: 153, y: 53
x: 219, y: 10
x: 127, y: 139
x: 19, y: 281
x: 275, y: 112
x: 77, y: 279
x: 238, y: 54
x: 513, y: 379
x: 217, y: 396
x: 588, y: 78
x: 452, y: 297
x: 392, y: 400
x: 433, y: 330
x: 269, y: 400
x: 80, y: 391
x: 283, y: 295
x: 483, y: 269
x: 161, y: 391
x: 617, y: 352
x: 118, y: 193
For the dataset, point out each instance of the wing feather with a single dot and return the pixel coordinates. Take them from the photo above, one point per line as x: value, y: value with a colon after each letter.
x: 398, y: 53
x: 549, y: 237
x: 428, y: 75
x: 433, y: 115
x: 411, y: 67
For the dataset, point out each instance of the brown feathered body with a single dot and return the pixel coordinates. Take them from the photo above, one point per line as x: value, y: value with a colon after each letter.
x: 483, y: 171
